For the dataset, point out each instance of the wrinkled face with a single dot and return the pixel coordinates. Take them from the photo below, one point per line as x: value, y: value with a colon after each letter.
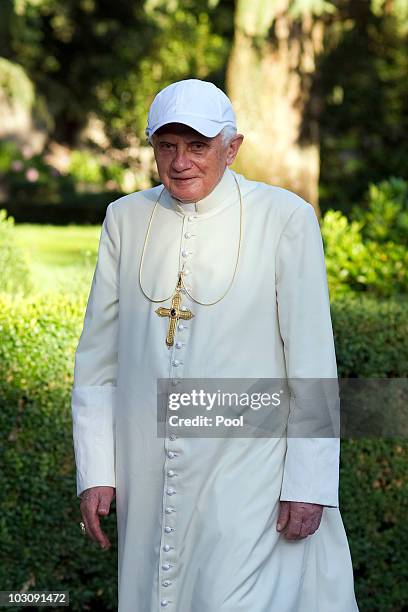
x: 189, y: 164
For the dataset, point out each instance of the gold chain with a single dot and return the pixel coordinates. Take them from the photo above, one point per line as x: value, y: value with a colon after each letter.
x: 143, y: 254
x: 181, y: 273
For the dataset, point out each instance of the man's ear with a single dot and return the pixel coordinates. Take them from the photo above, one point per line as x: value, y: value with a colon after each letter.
x: 233, y: 148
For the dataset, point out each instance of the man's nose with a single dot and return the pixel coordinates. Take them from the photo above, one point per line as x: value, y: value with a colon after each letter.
x: 181, y: 161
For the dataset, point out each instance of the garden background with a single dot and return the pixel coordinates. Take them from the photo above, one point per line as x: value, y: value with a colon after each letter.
x: 321, y: 94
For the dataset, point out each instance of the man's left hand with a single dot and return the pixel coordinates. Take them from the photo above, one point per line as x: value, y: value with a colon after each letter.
x: 297, y: 520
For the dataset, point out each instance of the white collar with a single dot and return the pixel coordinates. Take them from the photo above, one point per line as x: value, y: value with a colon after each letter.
x: 223, y: 194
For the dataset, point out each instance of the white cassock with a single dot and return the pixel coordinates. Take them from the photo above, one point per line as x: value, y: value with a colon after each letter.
x: 197, y: 516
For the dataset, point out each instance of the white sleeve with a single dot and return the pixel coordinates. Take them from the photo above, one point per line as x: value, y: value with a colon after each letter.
x: 311, y: 469
x: 95, y: 371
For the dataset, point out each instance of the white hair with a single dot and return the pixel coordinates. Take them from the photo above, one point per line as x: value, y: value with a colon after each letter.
x: 227, y: 134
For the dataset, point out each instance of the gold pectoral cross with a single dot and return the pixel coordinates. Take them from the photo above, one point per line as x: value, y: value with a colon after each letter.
x: 174, y: 313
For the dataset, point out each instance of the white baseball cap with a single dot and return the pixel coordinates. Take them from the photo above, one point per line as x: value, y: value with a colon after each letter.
x: 199, y: 104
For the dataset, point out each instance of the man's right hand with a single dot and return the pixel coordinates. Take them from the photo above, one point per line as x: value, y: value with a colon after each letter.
x: 95, y: 502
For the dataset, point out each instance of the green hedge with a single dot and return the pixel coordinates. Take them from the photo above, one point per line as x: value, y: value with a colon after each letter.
x: 41, y: 544
x: 371, y: 337
x: 371, y: 342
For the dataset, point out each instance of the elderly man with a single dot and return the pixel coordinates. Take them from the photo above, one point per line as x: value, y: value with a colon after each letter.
x: 208, y: 276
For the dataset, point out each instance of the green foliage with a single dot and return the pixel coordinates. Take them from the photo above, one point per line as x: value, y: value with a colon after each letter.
x: 255, y: 18
x: 15, y: 85
x: 117, y: 174
x: 346, y: 256
x: 31, y: 179
x: 370, y: 336
x: 364, y: 119
x: 373, y: 499
x: 87, y: 168
x: 385, y: 219
x: 182, y: 45
x: 369, y: 253
x: 134, y: 49
x: 9, y: 153
x: 84, y: 167
x: 356, y: 265
x: 41, y: 541
x: 131, y: 50
x: 14, y: 276
x: 34, y: 185
x: 397, y: 9
x: 317, y: 7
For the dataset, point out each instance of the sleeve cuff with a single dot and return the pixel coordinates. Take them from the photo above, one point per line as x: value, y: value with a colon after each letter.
x: 311, y: 471
x: 93, y: 416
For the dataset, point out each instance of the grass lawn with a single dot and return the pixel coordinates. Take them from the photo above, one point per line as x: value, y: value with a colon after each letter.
x: 60, y: 258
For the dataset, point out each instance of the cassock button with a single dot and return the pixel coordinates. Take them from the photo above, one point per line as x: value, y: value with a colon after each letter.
x: 166, y: 547
x: 181, y: 326
x: 168, y: 529
x: 179, y: 344
x: 164, y: 603
x: 170, y: 473
x: 170, y: 491
x: 184, y: 253
x: 186, y: 271
x: 173, y: 437
x: 166, y: 582
x: 166, y: 566
x: 187, y: 235
x: 176, y: 363
x: 170, y: 454
x: 168, y: 510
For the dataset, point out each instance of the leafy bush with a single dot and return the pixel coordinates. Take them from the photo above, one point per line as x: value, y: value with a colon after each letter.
x: 369, y: 254
x: 370, y: 337
x: 85, y: 168
x: 33, y: 187
x: 386, y: 217
x: 9, y: 153
x: 347, y: 263
x: 373, y: 502
x: 88, y: 169
x: 32, y: 181
x: 117, y: 173
x: 42, y: 545
x: 41, y: 542
x: 15, y: 277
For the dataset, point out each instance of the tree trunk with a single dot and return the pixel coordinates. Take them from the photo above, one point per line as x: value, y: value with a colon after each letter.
x: 270, y: 80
